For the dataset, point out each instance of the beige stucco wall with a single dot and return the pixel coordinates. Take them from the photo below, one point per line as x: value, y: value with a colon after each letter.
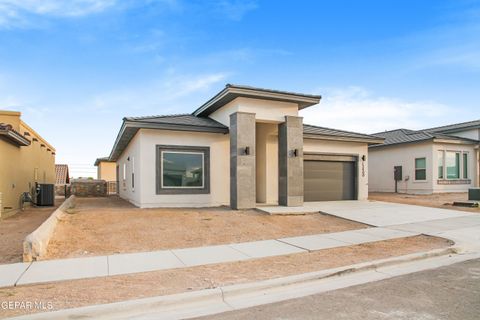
x: 131, y: 161
x: 143, y: 149
x: 347, y: 148
x: 382, y: 161
x: 265, y: 111
x: 107, y: 171
x: 470, y: 134
x: 267, y: 163
x: 21, y: 167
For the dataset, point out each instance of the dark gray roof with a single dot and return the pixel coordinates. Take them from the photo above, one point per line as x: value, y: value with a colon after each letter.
x: 399, y: 136
x: 456, y: 126
x: 312, y: 131
x: 178, y: 119
x: 232, y: 91
x: 179, y: 122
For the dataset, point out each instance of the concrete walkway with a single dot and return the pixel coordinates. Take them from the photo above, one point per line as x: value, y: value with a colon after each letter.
x: 391, y: 221
x: 374, y: 213
x: 119, y: 264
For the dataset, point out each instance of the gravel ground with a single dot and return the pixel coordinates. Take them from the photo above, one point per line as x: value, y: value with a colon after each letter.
x: 110, y: 225
x: 14, y: 229
x: 436, y: 200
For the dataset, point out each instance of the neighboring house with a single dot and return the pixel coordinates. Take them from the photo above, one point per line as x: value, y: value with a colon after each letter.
x: 106, y: 170
x: 62, y: 178
x: 441, y: 159
x: 243, y: 147
x: 25, y: 158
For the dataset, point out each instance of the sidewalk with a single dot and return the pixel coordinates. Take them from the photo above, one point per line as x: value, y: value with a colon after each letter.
x: 120, y: 264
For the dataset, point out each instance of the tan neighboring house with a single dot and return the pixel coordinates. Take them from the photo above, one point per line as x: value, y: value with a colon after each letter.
x: 106, y: 170
x: 244, y: 147
x: 25, y: 158
x: 434, y: 160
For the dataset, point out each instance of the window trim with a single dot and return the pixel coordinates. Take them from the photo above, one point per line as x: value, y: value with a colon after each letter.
x: 162, y: 152
x: 442, y: 164
x: 416, y: 169
x: 160, y: 189
x: 464, y: 165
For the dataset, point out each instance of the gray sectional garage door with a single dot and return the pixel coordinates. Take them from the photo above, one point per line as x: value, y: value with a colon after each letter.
x: 329, y: 180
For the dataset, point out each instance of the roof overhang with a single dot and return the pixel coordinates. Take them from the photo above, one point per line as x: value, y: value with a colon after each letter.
x: 456, y: 141
x: 99, y: 160
x: 130, y: 128
x: 344, y: 139
x: 14, y: 137
x: 432, y: 140
x: 231, y: 92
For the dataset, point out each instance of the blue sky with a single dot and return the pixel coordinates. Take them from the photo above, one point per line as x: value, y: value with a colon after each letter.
x: 76, y: 68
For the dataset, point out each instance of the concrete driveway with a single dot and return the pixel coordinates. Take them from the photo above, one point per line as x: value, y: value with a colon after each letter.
x: 382, y: 214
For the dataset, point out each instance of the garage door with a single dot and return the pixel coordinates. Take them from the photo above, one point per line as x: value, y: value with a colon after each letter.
x: 329, y: 180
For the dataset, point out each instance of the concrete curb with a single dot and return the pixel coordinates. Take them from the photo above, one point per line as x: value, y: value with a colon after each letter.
x: 210, y: 301
x: 35, y: 244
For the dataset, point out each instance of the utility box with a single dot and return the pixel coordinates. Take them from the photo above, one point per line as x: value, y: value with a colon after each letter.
x: 397, y: 173
x: 474, y: 194
x: 45, y: 194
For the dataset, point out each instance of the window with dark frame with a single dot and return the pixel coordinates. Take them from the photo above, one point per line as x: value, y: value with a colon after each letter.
x: 183, y: 169
x: 420, y: 169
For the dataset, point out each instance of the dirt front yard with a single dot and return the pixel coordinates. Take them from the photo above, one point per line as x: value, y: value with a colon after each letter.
x: 14, y: 229
x: 69, y: 294
x: 436, y: 200
x: 103, y: 226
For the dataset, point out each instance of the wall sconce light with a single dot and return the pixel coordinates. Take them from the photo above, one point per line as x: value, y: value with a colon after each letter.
x: 364, y: 157
x: 247, y: 151
x: 296, y: 152
x: 128, y: 159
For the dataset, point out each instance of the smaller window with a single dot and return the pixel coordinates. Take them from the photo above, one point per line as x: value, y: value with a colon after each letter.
x: 465, y: 166
x: 453, y: 165
x: 133, y: 173
x: 441, y: 160
x: 420, y: 169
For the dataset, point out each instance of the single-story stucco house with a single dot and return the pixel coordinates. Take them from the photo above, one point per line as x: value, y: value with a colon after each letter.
x: 244, y: 147
x: 441, y: 159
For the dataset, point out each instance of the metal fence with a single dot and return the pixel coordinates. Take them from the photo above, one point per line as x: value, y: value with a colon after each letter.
x: 112, y: 187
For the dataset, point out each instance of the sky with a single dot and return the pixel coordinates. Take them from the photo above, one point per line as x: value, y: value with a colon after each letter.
x: 76, y: 68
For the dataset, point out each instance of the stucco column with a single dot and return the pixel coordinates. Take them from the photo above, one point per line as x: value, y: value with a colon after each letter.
x: 290, y: 162
x: 242, y: 160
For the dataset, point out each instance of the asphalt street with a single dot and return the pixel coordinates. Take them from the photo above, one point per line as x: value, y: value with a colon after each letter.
x: 451, y: 292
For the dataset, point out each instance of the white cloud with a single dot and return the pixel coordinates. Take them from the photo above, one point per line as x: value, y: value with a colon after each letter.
x: 235, y: 9
x: 356, y: 109
x: 14, y: 13
x: 167, y: 93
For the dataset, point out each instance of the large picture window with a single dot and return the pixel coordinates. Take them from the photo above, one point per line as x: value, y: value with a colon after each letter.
x: 183, y: 170
x: 420, y: 169
x: 452, y: 163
